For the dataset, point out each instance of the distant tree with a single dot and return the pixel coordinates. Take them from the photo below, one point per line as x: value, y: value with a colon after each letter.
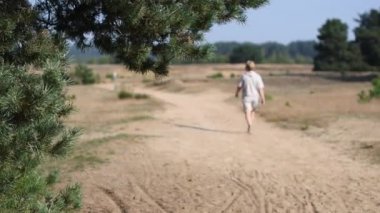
x: 32, y: 108
x: 270, y: 52
x: 144, y: 35
x: 273, y: 48
x: 302, y: 48
x: 225, y: 48
x: 246, y: 51
x: 368, y: 37
x: 84, y: 75
x: 332, y: 47
x: 274, y: 52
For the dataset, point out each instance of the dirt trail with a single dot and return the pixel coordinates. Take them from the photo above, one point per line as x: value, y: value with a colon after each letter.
x: 201, y: 160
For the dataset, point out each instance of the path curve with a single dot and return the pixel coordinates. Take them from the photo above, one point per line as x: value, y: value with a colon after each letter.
x: 201, y: 160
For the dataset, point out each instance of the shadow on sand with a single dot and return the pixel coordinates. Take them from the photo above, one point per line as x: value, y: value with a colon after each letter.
x: 208, y: 129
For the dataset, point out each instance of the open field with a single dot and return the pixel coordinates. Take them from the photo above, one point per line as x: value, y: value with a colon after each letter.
x: 184, y: 149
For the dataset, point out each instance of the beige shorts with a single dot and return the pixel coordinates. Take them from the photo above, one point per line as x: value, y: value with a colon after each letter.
x: 250, y: 104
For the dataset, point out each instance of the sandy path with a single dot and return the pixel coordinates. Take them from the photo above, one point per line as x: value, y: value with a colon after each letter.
x: 201, y: 160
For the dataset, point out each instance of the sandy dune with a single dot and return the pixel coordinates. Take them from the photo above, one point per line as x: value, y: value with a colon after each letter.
x: 198, y: 158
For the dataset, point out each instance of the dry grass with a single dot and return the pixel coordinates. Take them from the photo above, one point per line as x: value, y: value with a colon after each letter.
x: 103, y: 119
x: 297, y: 99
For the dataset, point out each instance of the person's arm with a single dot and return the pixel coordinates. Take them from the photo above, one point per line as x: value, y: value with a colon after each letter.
x: 238, y: 88
x: 262, y: 95
x: 261, y: 91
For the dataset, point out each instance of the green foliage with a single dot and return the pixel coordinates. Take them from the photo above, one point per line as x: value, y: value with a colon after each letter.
x: 270, y: 52
x: 245, y: 52
x: 275, y: 53
x: 144, y: 35
x: 302, y: 49
x: 336, y: 53
x: 211, y: 58
x: 125, y: 95
x: 332, y: 47
x: 84, y: 74
x: 109, y: 76
x: 375, y: 91
x: 217, y: 75
x: 368, y: 37
x: 364, y: 97
x: 141, y: 96
x: 22, y: 41
x: 33, y: 105
x: 32, y: 109
x: 268, y: 97
x: 53, y: 177
x: 225, y: 48
x: 128, y: 95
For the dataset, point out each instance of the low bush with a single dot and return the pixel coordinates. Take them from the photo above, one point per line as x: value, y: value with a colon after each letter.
x: 218, y: 75
x: 84, y: 75
x: 128, y: 95
x: 109, y: 76
x: 268, y: 97
x: 375, y: 91
x: 125, y: 95
x: 364, y: 97
x: 141, y: 96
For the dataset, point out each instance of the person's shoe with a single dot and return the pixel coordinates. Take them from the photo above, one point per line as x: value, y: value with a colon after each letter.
x: 249, y: 130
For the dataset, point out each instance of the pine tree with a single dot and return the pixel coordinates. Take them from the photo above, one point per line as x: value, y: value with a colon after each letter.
x: 145, y: 35
x: 368, y: 37
x: 332, y: 48
x: 33, y: 105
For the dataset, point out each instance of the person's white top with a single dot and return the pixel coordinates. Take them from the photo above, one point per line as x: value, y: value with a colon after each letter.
x: 251, y: 82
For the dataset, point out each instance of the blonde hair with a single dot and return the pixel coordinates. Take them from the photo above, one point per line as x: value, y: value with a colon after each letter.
x: 249, y: 65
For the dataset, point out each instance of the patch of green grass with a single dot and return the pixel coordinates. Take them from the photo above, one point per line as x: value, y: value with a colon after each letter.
x: 364, y: 97
x: 125, y: 95
x: 140, y: 96
x: 140, y: 118
x: 111, y: 152
x: 305, y: 127
x: 79, y: 162
x: 288, y: 104
x: 128, y: 95
x: 232, y: 75
x: 53, y: 177
x: 96, y: 142
x: 268, y: 97
x: 109, y: 76
x: 217, y: 75
x: 84, y: 75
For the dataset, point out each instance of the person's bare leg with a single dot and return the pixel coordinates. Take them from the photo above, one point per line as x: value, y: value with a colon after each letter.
x: 253, y: 113
x: 248, y: 118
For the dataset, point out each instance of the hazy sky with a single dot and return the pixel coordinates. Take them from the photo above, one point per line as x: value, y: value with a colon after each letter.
x: 288, y: 20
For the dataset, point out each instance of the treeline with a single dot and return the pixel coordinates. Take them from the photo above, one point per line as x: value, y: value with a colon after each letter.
x: 225, y: 52
x: 269, y: 52
x: 336, y: 53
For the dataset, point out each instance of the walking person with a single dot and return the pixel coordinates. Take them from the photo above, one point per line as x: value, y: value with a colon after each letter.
x: 252, y: 87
